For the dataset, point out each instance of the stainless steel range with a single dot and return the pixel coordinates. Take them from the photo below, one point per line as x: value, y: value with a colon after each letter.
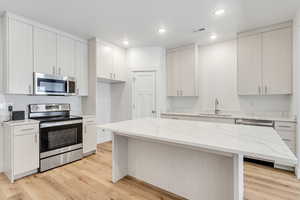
x: 60, y: 134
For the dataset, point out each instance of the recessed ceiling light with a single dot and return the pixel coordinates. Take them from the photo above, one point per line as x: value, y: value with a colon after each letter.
x: 125, y: 42
x: 213, y: 36
x: 161, y: 30
x: 219, y: 12
x: 107, y: 48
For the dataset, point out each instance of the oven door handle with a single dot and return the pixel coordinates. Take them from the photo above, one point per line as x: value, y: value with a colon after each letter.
x: 63, y: 123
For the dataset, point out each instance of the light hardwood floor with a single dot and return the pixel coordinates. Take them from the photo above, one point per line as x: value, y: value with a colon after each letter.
x: 90, y: 178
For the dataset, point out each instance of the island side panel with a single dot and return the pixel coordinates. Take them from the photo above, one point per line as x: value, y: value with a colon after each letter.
x: 120, y: 157
x: 193, y: 174
x: 238, y: 162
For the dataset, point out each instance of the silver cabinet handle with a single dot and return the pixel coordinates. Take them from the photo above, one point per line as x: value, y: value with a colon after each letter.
x: 177, y: 92
x: 181, y: 93
x: 266, y: 90
x: 59, y: 71
x: 114, y: 76
x: 77, y: 91
x: 27, y: 129
x: 85, y: 129
x: 35, y: 138
x: 286, y: 140
x: 29, y: 89
x: 259, y: 90
x: 53, y: 70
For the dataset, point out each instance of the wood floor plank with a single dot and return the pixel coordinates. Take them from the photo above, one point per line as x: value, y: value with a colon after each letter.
x: 90, y: 179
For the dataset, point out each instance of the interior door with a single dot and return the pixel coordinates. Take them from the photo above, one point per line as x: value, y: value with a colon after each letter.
x: 144, y: 95
x: 45, y: 46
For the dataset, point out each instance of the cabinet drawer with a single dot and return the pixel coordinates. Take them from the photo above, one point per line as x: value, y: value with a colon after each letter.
x: 89, y: 121
x: 288, y: 126
x: 23, y: 130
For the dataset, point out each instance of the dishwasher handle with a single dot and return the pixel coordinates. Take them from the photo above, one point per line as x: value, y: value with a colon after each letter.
x: 255, y: 122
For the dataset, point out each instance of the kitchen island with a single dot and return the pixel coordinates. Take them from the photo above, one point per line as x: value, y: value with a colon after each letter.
x: 196, y: 160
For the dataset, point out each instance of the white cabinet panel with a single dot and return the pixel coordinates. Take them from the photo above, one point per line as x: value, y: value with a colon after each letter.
x: 81, y: 68
x: 111, y: 63
x: 181, y: 71
x: 19, y: 55
x: 105, y: 61
x: 188, y: 72
x: 172, y: 74
x: 26, y: 151
x: 89, y: 135
x: 120, y: 69
x: 265, y: 61
x: 66, y: 56
x: 45, y: 51
x: 249, y: 65
x: 277, y: 61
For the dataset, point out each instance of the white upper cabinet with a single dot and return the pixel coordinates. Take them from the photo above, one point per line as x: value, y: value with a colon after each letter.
x: 105, y: 61
x: 66, y: 56
x: 81, y: 67
x: 249, y: 65
x: 18, y: 56
x: 265, y: 61
x: 111, y: 63
x: 277, y: 61
x: 32, y: 47
x: 173, y: 73
x: 45, y: 51
x: 120, y: 68
x: 181, y: 71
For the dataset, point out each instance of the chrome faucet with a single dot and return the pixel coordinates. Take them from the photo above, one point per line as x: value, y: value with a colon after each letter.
x: 217, y: 110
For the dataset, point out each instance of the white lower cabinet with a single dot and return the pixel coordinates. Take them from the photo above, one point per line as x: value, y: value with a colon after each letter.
x: 89, y: 135
x: 287, y: 132
x: 21, y: 149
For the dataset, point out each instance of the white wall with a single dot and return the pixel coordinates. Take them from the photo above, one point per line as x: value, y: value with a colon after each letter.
x: 297, y: 80
x: 150, y: 58
x: 218, y: 79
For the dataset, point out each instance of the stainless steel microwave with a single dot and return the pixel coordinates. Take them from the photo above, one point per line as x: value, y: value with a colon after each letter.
x: 47, y: 84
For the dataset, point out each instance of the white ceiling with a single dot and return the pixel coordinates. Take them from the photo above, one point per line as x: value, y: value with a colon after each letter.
x: 138, y: 20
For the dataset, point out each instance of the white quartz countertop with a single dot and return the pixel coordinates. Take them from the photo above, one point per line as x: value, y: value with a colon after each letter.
x: 230, y: 116
x: 259, y: 142
x: 21, y: 122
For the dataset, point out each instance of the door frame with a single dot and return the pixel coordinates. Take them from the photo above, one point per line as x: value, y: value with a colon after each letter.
x: 155, y: 71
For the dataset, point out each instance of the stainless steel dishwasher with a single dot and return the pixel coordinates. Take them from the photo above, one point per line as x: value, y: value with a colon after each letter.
x: 257, y: 122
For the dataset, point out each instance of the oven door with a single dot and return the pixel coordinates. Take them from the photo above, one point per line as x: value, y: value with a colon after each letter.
x: 45, y: 84
x: 60, y: 137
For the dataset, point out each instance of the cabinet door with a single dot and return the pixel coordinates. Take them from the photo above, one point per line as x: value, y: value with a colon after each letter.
x: 81, y: 68
x: 20, y: 57
x: 89, y: 137
x: 66, y: 56
x: 26, y: 152
x: 277, y: 61
x: 120, y: 69
x: 45, y: 51
x: 187, y: 72
x: 173, y: 80
x: 106, y: 61
x: 249, y: 65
